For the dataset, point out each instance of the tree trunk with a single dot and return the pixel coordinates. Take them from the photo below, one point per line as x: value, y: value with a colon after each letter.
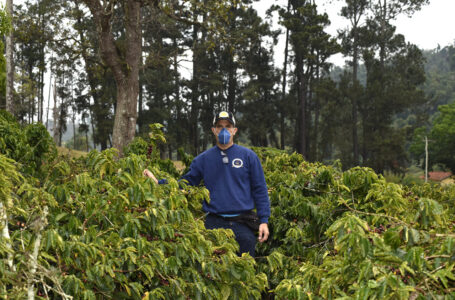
x: 169, y: 149
x: 49, y: 93
x: 41, y: 223
x: 302, y: 113
x: 302, y: 100
x: 87, y: 148
x: 125, y: 71
x: 177, y: 95
x: 9, y: 63
x: 283, y: 87
x: 55, y: 116
x: 95, y: 115
x: 125, y: 116
x: 232, y: 68
x: 73, y: 119
x: 194, y: 91
x: 4, y: 234
x: 355, y: 84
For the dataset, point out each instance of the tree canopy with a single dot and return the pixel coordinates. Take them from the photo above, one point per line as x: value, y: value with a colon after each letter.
x: 112, y: 74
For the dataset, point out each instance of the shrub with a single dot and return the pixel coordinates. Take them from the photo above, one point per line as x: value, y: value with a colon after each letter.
x: 31, y: 146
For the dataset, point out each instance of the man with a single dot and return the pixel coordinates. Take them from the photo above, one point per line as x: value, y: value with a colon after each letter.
x: 233, y: 174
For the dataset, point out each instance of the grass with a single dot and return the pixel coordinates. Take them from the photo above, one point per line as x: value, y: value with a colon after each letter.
x: 62, y: 151
x: 411, y: 176
x: 179, y: 165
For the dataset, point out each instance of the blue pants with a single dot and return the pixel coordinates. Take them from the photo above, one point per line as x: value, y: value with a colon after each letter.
x: 243, y: 235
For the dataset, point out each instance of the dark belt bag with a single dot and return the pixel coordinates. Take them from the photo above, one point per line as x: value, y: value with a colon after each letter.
x: 250, y: 219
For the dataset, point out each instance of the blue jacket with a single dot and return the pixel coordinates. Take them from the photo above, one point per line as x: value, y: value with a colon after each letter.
x: 236, y: 183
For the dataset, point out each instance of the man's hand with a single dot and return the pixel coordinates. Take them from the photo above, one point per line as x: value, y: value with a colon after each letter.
x: 150, y: 175
x: 263, y: 232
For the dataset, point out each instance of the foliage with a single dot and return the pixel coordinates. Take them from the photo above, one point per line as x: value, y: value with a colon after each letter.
x: 103, y: 230
x: 352, y: 234
x: 111, y: 232
x: 138, y: 146
x: 149, y: 150
x: 5, y: 27
x: 440, y: 139
x: 31, y: 145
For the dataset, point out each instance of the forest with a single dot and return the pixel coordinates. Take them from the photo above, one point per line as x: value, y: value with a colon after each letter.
x: 180, y: 61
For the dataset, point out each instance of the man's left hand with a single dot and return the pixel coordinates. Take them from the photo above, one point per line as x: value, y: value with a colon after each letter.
x: 263, y: 232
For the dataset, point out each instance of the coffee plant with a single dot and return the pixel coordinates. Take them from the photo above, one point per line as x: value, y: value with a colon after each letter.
x: 96, y: 228
x: 31, y: 146
x: 353, y: 235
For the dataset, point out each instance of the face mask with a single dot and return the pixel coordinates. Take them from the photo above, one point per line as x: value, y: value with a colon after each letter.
x: 224, y: 136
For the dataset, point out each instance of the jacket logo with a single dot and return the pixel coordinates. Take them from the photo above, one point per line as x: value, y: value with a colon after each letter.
x: 237, y: 163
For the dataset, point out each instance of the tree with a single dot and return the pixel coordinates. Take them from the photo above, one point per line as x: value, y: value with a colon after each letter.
x: 395, y: 71
x: 5, y: 27
x: 161, y: 97
x: 37, y: 27
x: 311, y: 47
x: 123, y: 62
x: 98, y: 101
x: 354, y: 11
x: 9, y: 62
x: 283, y: 86
x: 442, y: 138
x: 122, y: 51
x: 259, y: 91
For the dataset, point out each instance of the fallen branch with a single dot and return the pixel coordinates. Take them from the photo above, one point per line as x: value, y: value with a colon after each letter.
x: 39, y: 225
x: 5, y: 234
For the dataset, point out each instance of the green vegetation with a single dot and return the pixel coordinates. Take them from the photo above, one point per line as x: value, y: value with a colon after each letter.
x: 29, y: 145
x: 89, y: 225
x: 94, y: 227
x: 441, y: 138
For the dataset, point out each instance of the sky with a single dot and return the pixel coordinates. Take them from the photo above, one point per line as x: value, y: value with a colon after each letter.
x: 433, y: 25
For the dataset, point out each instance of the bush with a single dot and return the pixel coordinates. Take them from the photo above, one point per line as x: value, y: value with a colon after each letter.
x: 103, y: 230
x: 31, y: 146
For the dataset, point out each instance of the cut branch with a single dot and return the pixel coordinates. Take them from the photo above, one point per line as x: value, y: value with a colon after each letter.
x: 5, y: 235
x: 39, y: 225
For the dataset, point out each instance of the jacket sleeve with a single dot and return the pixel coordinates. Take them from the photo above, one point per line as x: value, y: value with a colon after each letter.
x: 259, y: 189
x: 194, y: 175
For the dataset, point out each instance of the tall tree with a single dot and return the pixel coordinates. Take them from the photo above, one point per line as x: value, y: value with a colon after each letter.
x: 5, y: 27
x: 32, y: 39
x: 124, y: 62
x: 97, y: 102
x: 283, y: 86
x: 441, y: 136
x: 394, y: 73
x: 311, y: 47
x: 259, y: 92
x: 161, y: 98
x: 354, y: 11
x: 9, y: 62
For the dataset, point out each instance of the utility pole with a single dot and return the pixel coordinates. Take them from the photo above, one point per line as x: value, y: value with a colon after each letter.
x: 426, y: 159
